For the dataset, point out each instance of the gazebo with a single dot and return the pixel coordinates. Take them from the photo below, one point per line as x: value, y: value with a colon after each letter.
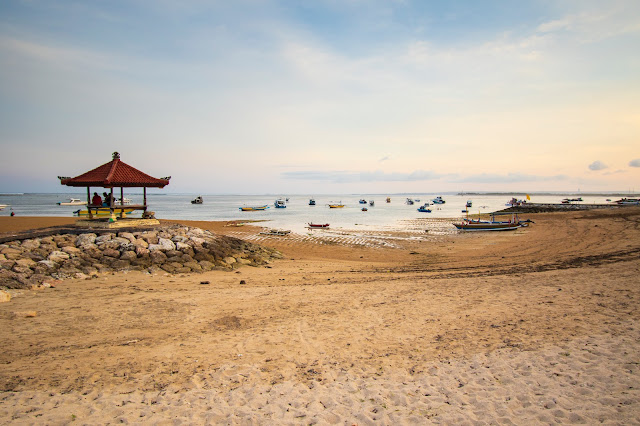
x: 115, y: 174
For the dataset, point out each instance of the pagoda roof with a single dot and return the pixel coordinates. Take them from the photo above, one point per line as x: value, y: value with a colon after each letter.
x: 115, y: 173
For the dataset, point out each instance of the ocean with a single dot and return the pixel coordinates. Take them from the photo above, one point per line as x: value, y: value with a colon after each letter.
x: 381, y: 216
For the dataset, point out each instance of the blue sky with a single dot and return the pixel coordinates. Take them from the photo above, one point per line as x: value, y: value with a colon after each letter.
x: 323, y: 96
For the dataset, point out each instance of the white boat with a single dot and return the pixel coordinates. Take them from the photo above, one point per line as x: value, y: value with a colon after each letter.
x: 2, y: 206
x: 73, y: 202
x: 438, y: 200
x: 469, y: 204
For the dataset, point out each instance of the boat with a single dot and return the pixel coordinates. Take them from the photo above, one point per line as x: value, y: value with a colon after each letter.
x: 409, y: 201
x: 102, y: 212
x: 312, y: 202
x: 627, y: 201
x: 571, y: 200
x: 362, y: 201
x: 318, y: 225
x: 513, y: 223
x: 364, y: 209
x: 438, y: 200
x: 278, y: 232
x: 469, y: 204
x: 388, y: 199
x: 372, y: 203
x: 280, y: 204
x: 515, y: 202
x: 197, y: 200
x: 254, y: 208
x: 424, y: 208
x: 72, y: 202
x: 336, y: 206
x: 126, y: 201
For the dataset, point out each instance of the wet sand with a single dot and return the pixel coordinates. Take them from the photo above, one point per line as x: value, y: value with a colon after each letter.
x: 538, y: 325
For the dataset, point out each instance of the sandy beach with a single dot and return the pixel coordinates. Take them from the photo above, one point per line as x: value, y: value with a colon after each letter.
x: 533, y: 326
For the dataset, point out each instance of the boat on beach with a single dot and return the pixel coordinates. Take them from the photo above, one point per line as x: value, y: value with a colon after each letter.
x: 513, y: 223
x: 336, y: 205
x: 277, y: 232
x: 102, y: 212
x: 318, y: 225
x: 253, y: 208
x: 424, y: 208
x: 362, y: 201
x: 438, y: 200
x: 72, y: 202
x: 628, y: 201
x: 312, y: 202
x: 280, y: 204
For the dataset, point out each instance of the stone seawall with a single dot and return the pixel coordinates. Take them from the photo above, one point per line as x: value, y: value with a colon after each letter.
x: 173, y: 249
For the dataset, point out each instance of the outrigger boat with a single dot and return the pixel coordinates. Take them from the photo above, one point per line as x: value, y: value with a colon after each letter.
x: 424, y: 209
x: 513, y: 223
x: 251, y: 209
x: 102, y: 212
x: 336, y: 206
x: 72, y: 202
x: 318, y: 225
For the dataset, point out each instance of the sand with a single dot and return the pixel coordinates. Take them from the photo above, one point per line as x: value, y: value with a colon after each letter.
x: 534, y: 326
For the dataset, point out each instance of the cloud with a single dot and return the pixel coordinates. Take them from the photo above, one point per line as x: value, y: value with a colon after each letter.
x: 383, y: 159
x: 597, y: 165
x: 366, y: 176
x: 634, y: 163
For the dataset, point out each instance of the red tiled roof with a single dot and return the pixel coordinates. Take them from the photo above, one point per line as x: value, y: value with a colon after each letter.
x: 115, y: 173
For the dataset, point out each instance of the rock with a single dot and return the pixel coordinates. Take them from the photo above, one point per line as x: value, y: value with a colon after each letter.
x: 50, y: 264
x: 197, y: 241
x: 142, y: 251
x: 206, y: 265
x: 141, y: 243
x: 109, y: 252
x: 166, y: 244
x: 157, y: 256
x: 12, y: 253
x: 72, y: 251
x: 58, y: 256
x: 243, y: 261
x: 120, y: 241
x: 30, y: 244
x: 180, y: 246
x: 85, y: 239
x: 103, y: 238
x: 128, y: 255
x: 27, y: 272
x: 121, y: 264
x: 229, y: 260
x: 155, y: 247
x: 5, y: 296
x: 7, y: 264
x: 179, y: 239
x: 128, y: 235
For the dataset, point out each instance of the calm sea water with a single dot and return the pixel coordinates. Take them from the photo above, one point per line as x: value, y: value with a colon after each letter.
x: 298, y: 213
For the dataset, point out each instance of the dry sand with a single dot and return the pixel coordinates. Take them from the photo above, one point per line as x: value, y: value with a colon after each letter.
x: 534, y: 326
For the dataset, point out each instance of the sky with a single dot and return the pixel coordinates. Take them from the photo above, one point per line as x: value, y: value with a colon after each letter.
x: 323, y: 97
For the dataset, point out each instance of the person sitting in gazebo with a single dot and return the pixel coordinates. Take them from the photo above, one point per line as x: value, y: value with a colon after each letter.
x: 96, y: 200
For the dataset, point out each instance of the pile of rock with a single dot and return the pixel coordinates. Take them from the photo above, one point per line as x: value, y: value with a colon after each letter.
x: 172, y: 249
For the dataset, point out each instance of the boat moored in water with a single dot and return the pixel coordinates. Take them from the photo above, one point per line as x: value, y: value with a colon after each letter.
x: 318, y: 225
x: 312, y: 202
x: 280, y: 204
x: 438, y: 200
x: 72, y: 202
x: 197, y: 200
x: 254, y: 208
x: 424, y: 208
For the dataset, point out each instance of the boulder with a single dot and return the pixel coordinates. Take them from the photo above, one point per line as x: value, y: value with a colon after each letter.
x: 12, y: 253
x: 157, y: 256
x: 155, y: 247
x: 30, y: 244
x: 58, y: 256
x: 103, y: 238
x: 72, y: 251
x: 128, y: 235
x: 109, y: 252
x: 141, y: 243
x: 26, y: 262
x: 85, y: 239
x: 166, y: 244
x: 128, y: 255
x: 229, y: 260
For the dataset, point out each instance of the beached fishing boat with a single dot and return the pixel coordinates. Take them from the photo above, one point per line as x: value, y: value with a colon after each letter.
x: 628, y: 201
x: 372, y: 203
x: 254, y: 208
x: 362, y: 201
x: 277, y: 232
x: 318, y: 225
x: 438, y: 200
x: 102, y: 212
x: 336, y: 205
x: 72, y: 202
x: 469, y: 204
x: 511, y: 224
x: 280, y: 204
x: 312, y: 202
x: 409, y: 201
x: 424, y: 208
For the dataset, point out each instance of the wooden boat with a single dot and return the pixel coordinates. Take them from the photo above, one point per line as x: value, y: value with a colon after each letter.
x: 102, y: 212
x: 251, y: 209
x: 513, y: 223
x: 362, y: 201
x: 364, y: 209
x: 72, y: 202
x: 336, y: 206
x: 318, y: 225
x: 277, y: 232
